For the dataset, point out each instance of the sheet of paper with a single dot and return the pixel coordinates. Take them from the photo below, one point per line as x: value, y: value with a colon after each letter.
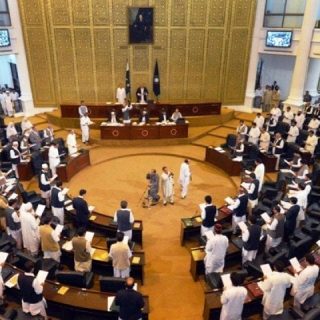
x: 40, y: 209
x: 209, y: 235
x: 295, y: 264
x: 229, y: 200
x: 67, y: 246
x: 58, y: 229
x: 91, y: 208
x: 110, y: 302
x: 69, y: 208
x: 63, y: 290
x: 318, y: 243
x: 285, y: 205
x: 266, y: 217
x: 92, y: 218
x: 218, y: 149
x: 136, y: 225
x: 135, y: 286
x: 226, y: 280
x: 42, y: 276
x: 67, y: 202
x: 89, y: 236
x: 65, y: 191
x: 287, y: 171
x: 13, y: 196
x: 74, y: 155
x: 3, y: 257
x: 125, y: 239
x: 266, y: 269
x: 242, y: 226
x: 135, y: 260
x: 92, y: 251
x: 12, y: 282
x: 198, y: 219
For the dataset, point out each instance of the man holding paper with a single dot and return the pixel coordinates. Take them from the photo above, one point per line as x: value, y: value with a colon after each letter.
x: 216, y: 249
x: 303, y: 286
x: 82, y: 209
x: 120, y: 254
x: 44, y: 184
x: 208, y: 214
x: 50, y: 240
x: 275, y: 228
x: 54, y: 157
x: 57, y: 200
x: 291, y: 218
x: 13, y: 223
x: 15, y: 157
x: 82, y: 252
x: 233, y: 298
x: 124, y: 218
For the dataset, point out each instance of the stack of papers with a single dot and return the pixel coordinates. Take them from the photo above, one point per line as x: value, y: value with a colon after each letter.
x: 63, y: 290
x: 40, y: 209
x: 67, y: 202
x: 136, y: 260
x: 218, y: 149
x: 295, y: 264
x: 69, y: 208
x: 237, y: 159
x: 266, y: 269
x: 226, y: 280
x: 266, y: 217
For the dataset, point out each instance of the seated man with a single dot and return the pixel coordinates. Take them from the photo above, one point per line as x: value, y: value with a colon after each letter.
x: 144, y: 116
x: 176, y: 115
x: 113, y: 118
x: 163, y: 116
x: 314, y: 124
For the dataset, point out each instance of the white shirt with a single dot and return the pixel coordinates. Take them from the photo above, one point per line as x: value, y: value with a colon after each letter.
x: 259, y: 172
x: 314, y: 124
x: 276, y: 112
x: 131, y: 217
x: 85, y: 121
x: 185, y: 174
x: 13, y: 154
x: 30, y: 230
x: 54, y: 158
x: 259, y: 121
x: 287, y: 116
x: 254, y: 135
x: 72, y: 143
x: 232, y: 301
x: 121, y: 95
x: 292, y: 134
x: 300, y: 120
x: 11, y: 131
x: 264, y: 140
x: 311, y: 143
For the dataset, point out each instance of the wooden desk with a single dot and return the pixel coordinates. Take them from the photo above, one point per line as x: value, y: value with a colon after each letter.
x: 104, y: 224
x: 269, y: 161
x: 223, y: 161
x: 153, y: 131
x: 75, y: 303
x: 25, y: 171
x: 197, y: 259
x: 190, y: 227
x: 103, y: 111
x: 74, y: 164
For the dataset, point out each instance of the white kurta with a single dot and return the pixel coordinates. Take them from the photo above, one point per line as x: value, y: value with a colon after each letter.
x: 300, y: 120
x: 184, y: 178
x: 216, y: 249
x: 303, y: 286
x: 121, y: 95
x: 72, y: 143
x: 30, y: 231
x: 259, y: 172
x: 254, y: 135
x: 167, y: 187
x: 274, y: 288
x: 292, y: 134
x: 265, y: 141
x: 11, y: 131
x: 288, y: 117
x: 259, y: 121
x: 8, y: 105
x: 84, y: 123
x: 26, y: 125
x: 232, y: 301
x: 54, y: 159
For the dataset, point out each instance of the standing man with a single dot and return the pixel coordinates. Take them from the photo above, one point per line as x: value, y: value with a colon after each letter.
x: 57, y: 201
x: 125, y: 219
x: 167, y: 186
x: 121, y: 94
x: 184, y: 177
x: 153, y: 187
x: 277, y: 148
x: 264, y: 139
x: 208, y: 215
x: 233, y: 298
x: 216, y: 249
x: 54, y: 158
x: 291, y: 218
x: 9, y: 106
x: 31, y: 292
x: 49, y: 240
x: 120, y: 254
x: 72, y: 142
x: 254, y: 134
x: 44, y: 184
x: 275, y: 229
x: 253, y: 192
x: 130, y: 302
x: 239, y: 209
x: 35, y: 139
x: 142, y: 95
x: 293, y: 132
x: 82, y: 209
x: 81, y: 248
x: 83, y: 109
x: 259, y: 172
x: 13, y: 222
x: 85, y: 122
x: 15, y: 157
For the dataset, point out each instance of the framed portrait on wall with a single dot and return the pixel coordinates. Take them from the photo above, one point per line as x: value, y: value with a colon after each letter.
x: 140, y: 25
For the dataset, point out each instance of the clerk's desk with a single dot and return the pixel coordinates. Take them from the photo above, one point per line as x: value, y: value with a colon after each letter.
x: 102, y: 264
x: 104, y: 224
x: 75, y: 302
x: 73, y: 165
x: 212, y: 304
x: 25, y: 170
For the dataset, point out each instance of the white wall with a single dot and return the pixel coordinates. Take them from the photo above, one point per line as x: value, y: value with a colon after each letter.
x: 5, y: 74
x: 277, y: 68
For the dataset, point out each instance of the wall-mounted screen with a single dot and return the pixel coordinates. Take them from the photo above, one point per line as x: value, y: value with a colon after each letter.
x: 140, y: 25
x: 278, y: 39
x: 4, y: 38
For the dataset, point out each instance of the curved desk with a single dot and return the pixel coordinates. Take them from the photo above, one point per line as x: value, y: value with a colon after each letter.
x: 103, y: 111
x: 104, y: 224
x: 153, y: 131
x: 75, y: 302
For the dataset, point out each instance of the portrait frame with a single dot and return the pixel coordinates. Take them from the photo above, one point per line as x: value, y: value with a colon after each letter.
x: 140, y: 25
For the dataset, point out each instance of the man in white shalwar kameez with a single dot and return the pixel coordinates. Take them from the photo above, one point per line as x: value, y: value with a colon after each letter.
x: 184, y: 177
x: 233, y: 298
x: 8, y: 103
x: 259, y: 172
x: 54, y: 158
x: 121, y: 94
x: 254, y: 134
x: 264, y: 140
x: 167, y: 186
x: 216, y: 249
x: 274, y: 290
x: 85, y: 122
x: 72, y: 142
x: 29, y: 228
x: 303, y: 286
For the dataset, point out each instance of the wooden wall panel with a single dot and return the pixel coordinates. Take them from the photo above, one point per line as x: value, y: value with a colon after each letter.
x: 202, y: 48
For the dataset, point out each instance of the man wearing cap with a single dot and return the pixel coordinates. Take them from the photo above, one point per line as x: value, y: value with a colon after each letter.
x: 15, y: 157
x: 54, y: 157
x: 29, y: 228
x: 216, y: 249
x: 44, y: 184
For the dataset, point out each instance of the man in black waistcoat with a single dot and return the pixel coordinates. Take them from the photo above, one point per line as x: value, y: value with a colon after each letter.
x: 13, y: 222
x: 31, y: 292
x: 124, y: 218
x: 251, y: 240
x: 208, y: 214
x: 239, y: 209
x: 130, y: 302
x: 82, y: 209
x: 291, y: 218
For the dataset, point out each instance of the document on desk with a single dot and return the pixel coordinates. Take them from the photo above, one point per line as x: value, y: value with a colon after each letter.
x: 218, y: 149
x: 89, y: 236
x: 74, y: 155
x: 40, y: 209
x: 295, y: 264
x: 12, y: 282
x: 91, y: 208
x: 266, y: 269
x: 67, y: 202
x: 135, y: 260
x: 69, y: 208
x: 226, y: 280
x: 136, y: 225
x: 266, y: 217
x: 92, y: 218
x: 42, y: 276
x: 63, y: 290
x: 112, y: 305
x: 58, y: 229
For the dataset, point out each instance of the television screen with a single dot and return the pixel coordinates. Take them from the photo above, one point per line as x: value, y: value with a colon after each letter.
x: 279, y: 39
x: 4, y: 38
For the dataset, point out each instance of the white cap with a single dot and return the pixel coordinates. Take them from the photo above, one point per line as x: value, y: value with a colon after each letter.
x: 28, y: 206
x: 44, y: 166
